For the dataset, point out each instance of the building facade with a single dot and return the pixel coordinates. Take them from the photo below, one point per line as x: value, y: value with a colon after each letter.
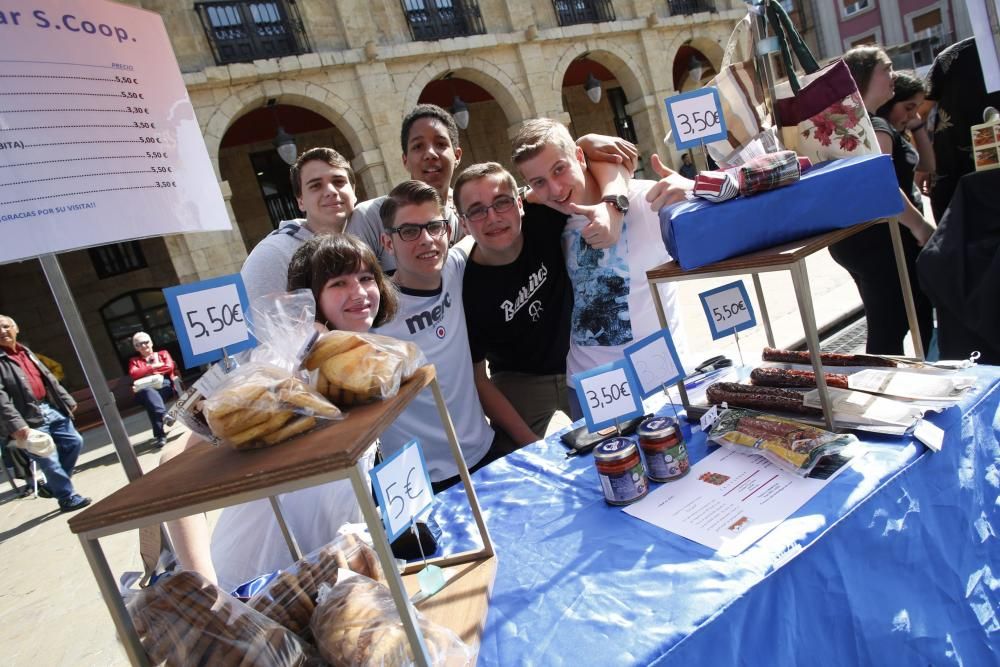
x: 342, y: 73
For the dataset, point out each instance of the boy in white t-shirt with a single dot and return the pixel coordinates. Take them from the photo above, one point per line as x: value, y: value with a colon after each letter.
x: 431, y: 314
x: 612, y: 303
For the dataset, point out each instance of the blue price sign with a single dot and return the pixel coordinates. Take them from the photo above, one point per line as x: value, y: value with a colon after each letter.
x: 403, y: 488
x: 607, y: 394
x: 696, y: 117
x: 728, y: 309
x: 654, y: 362
x: 209, y: 316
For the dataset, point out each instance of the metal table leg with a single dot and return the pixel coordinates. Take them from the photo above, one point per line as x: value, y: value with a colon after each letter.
x: 407, y: 613
x: 109, y: 591
x: 765, y: 318
x: 293, y: 546
x: 904, y: 284
x: 800, y: 280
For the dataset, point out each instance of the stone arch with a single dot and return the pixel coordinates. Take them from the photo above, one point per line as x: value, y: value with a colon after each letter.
x: 317, y: 99
x: 617, y: 60
x: 712, y: 46
x: 484, y: 74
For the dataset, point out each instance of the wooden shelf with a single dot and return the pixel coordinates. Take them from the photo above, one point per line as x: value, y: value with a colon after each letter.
x: 769, y: 259
x: 461, y: 606
x: 205, y: 473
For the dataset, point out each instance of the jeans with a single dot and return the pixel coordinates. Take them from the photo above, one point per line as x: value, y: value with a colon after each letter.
x: 153, y: 401
x: 58, y: 467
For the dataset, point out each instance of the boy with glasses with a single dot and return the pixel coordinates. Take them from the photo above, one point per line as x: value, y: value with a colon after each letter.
x: 429, y: 278
x: 518, y: 302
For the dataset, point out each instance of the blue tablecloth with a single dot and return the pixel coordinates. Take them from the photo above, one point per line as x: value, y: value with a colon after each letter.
x: 895, y: 562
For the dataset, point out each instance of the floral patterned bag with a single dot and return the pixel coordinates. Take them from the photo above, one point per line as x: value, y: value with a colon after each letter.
x: 822, y: 115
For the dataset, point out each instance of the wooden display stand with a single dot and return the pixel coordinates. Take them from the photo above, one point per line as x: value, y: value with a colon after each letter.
x: 790, y: 257
x: 205, y: 478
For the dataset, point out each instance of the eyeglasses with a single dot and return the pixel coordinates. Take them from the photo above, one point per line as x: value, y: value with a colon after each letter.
x: 501, y: 204
x: 411, y: 231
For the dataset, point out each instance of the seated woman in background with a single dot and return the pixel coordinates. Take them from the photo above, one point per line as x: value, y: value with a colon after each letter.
x: 352, y: 294
x: 152, y: 394
x: 868, y: 255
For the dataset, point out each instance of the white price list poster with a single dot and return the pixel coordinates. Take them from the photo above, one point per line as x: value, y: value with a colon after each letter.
x: 99, y: 142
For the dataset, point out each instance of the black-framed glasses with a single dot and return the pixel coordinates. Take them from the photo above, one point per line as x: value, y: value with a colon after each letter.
x: 501, y: 204
x: 411, y: 231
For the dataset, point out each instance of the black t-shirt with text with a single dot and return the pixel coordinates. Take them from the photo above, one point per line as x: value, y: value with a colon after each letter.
x: 518, y: 314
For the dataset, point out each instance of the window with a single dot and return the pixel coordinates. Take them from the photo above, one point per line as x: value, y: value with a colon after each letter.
x: 863, y: 41
x: 852, y: 7
x: 243, y: 31
x: 574, y: 12
x: 440, y: 19
x: 928, y: 24
x: 140, y: 310
x: 117, y: 258
x: 275, y: 188
x: 685, y: 7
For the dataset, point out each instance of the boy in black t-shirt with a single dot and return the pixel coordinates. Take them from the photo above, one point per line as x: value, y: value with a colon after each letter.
x: 518, y: 302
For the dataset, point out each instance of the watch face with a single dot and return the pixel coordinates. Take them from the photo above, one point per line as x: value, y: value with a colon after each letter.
x: 618, y: 201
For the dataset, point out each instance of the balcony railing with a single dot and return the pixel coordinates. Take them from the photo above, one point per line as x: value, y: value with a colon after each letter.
x: 573, y: 12
x: 440, y: 19
x: 684, y: 7
x: 242, y: 31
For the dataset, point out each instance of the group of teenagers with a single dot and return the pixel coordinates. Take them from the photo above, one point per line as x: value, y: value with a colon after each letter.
x: 538, y: 283
x: 473, y: 274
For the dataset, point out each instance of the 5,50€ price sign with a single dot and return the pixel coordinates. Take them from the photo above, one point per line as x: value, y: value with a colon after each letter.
x: 403, y: 488
x: 696, y: 117
x: 607, y: 394
x: 728, y: 309
x: 209, y: 316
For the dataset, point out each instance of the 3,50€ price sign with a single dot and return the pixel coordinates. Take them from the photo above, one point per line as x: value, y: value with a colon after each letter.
x: 209, y: 316
x: 728, y: 309
x: 696, y: 117
x: 403, y: 488
x: 607, y: 395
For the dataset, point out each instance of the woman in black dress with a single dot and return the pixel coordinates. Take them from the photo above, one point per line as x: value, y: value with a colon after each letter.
x: 868, y: 256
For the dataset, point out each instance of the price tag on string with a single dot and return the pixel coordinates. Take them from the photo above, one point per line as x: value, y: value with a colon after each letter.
x: 607, y: 395
x: 708, y: 419
x: 654, y: 362
x: 209, y: 316
x: 403, y: 488
x: 696, y: 117
x: 728, y: 309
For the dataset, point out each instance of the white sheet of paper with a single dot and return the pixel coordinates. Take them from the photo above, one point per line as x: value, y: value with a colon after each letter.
x: 863, y: 408
x: 728, y: 501
x: 929, y: 434
x: 910, y: 385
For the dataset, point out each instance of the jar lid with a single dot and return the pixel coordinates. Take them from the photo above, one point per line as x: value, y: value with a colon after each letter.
x: 657, y: 427
x: 615, y: 449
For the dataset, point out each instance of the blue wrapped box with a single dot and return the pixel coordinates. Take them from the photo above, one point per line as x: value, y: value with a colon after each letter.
x: 829, y: 196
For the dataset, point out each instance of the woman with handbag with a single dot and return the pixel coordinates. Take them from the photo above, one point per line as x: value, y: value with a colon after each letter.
x: 868, y: 255
x: 153, y: 373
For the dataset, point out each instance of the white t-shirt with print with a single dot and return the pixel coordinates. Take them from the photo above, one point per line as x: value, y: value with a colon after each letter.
x: 612, y: 304
x: 435, y: 321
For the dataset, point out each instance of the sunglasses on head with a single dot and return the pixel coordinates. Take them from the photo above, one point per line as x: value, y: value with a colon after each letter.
x: 411, y: 231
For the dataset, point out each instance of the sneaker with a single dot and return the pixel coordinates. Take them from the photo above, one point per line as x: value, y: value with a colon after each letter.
x: 159, y: 442
x: 76, y: 502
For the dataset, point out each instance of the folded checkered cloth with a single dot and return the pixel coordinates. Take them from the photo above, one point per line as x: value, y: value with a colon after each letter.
x: 768, y: 172
x: 716, y: 186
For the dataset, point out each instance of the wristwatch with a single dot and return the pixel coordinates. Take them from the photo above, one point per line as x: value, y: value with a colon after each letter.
x: 620, y: 202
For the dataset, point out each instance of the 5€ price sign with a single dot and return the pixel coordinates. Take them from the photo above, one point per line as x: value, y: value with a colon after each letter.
x: 208, y: 316
x: 696, y: 117
x: 607, y: 395
x: 728, y: 309
x: 403, y: 488
x: 655, y: 362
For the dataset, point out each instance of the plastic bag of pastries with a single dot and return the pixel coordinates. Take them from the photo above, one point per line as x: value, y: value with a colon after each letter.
x: 259, y: 405
x: 290, y: 598
x: 356, y: 623
x: 183, y: 621
x: 355, y: 368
